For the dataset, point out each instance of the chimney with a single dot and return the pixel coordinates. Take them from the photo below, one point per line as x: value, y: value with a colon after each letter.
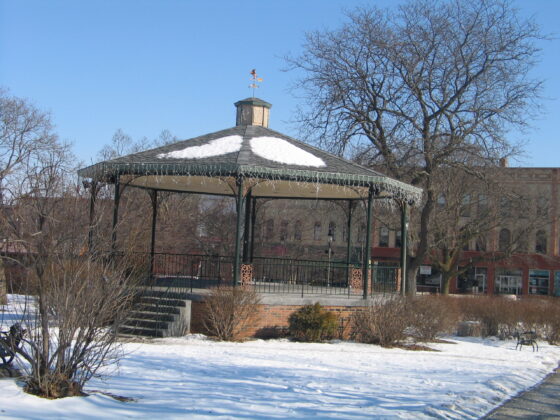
x: 252, y: 111
x: 504, y: 162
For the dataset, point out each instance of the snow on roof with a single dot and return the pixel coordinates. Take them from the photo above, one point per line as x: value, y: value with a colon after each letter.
x: 279, y: 150
x: 217, y: 147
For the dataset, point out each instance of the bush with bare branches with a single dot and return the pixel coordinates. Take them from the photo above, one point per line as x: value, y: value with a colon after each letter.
x: 431, y: 316
x: 381, y: 323
x: 228, y: 310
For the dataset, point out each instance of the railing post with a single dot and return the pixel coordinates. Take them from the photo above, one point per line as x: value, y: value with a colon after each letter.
x: 367, y: 256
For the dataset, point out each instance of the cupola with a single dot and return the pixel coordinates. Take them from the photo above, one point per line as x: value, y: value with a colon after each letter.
x: 252, y: 111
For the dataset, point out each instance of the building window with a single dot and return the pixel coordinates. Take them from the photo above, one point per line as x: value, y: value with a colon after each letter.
x: 332, y: 230
x: 542, y: 207
x: 480, y: 244
x: 383, y: 236
x: 466, y: 206
x: 508, y: 281
x: 441, y: 201
x: 505, y: 207
x: 269, y: 229
x: 473, y: 280
x: 482, y: 205
x: 398, y: 239
x: 522, y: 243
x: 317, y: 231
x: 283, y: 230
x: 540, y: 244
x: 362, y: 234
x: 345, y: 234
x: 504, y: 240
x: 538, y: 282
x: 297, y: 230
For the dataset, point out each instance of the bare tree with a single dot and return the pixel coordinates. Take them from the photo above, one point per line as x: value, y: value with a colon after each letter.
x: 468, y: 215
x: 425, y: 91
x: 74, y: 299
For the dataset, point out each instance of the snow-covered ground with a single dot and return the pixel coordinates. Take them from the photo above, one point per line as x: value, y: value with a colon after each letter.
x: 193, y: 377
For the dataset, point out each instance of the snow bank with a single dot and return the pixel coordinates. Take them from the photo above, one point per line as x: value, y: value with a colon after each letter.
x: 196, y: 378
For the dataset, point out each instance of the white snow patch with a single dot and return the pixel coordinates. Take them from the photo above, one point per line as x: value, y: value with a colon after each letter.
x: 279, y: 150
x: 196, y: 378
x: 217, y: 147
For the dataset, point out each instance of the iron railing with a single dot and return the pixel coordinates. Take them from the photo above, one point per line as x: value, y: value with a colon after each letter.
x: 186, y: 272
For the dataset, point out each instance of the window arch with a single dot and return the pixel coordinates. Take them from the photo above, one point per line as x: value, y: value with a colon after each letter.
x: 504, y: 240
x: 317, y: 231
x: 284, y: 230
x: 383, y: 236
x: 540, y: 243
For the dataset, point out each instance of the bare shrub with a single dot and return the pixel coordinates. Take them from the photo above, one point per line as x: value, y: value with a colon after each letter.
x: 71, y: 325
x: 498, y: 316
x: 313, y: 323
x: 228, y: 310
x: 431, y: 316
x: 551, y: 326
x: 381, y: 323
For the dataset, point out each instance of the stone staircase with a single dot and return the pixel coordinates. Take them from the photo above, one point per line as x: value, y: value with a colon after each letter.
x: 158, y: 313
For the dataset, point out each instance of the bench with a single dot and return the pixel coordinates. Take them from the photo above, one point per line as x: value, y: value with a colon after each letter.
x: 9, y: 343
x: 527, y: 338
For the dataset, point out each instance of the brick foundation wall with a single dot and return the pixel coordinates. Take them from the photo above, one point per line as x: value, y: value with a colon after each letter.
x: 272, y: 320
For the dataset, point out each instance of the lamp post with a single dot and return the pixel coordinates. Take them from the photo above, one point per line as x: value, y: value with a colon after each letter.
x: 330, y: 236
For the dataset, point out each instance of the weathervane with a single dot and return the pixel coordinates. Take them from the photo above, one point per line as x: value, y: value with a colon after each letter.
x: 255, y: 80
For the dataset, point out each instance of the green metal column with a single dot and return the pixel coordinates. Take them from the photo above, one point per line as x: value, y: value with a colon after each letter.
x: 116, y: 202
x: 238, y: 233
x: 154, y: 198
x: 253, y: 220
x: 404, y: 243
x: 349, y: 240
x: 91, y: 227
x: 367, y: 256
x: 247, y: 229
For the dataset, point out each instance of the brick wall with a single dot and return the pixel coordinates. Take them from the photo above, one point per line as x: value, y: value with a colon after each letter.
x: 271, y: 320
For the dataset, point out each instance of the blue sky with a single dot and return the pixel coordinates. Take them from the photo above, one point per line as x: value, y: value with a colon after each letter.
x: 145, y: 66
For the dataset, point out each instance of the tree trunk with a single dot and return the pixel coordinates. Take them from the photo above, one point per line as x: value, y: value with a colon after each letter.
x: 411, y: 280
x: 3, y: 288
x: 445, y: 281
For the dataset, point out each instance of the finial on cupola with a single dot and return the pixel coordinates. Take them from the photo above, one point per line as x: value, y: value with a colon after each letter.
x: 253, y: 111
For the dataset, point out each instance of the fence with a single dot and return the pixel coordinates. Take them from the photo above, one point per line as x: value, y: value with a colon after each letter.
x: 268, y: 275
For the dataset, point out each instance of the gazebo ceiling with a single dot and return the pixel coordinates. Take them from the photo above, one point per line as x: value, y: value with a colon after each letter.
x: 270, y: 163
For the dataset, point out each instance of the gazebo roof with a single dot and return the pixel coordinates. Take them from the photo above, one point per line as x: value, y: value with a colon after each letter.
x: 272, y: 165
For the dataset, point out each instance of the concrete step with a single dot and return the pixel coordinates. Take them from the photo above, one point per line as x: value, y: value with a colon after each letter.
x: 164, y: 294
x: 145, y: 332
x: 156, y: 316
x: 146, y: 323
x: 158, y: 309
x: 160, y: 301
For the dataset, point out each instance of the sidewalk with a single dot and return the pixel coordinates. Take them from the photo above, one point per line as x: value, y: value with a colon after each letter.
x: 540, y: 402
